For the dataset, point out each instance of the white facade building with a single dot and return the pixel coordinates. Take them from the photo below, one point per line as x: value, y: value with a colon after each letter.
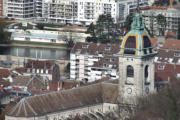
x: 91, y: 61
x: 128, y: 7
x: 19, y: 9
x: 79, y: 11
x: 171, y: 15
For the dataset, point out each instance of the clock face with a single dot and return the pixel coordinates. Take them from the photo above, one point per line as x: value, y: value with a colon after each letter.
x: 129, y: 90
x: 147, y: 90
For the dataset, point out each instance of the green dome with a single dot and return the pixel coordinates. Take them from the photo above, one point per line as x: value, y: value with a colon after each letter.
x: 137, y: 42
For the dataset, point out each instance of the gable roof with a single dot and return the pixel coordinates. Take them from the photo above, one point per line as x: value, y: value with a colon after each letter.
x: 95, y: 48
x: 172, y: 44
x: 64, y: 100
x: 4, y: 73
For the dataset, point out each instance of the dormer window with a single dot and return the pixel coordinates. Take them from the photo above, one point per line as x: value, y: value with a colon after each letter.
x: 177, y: 54
x: 161, y: 67
x: 85, y: 46
x: 147, y: 45
x: 108, y: 47
x: 130, y: 45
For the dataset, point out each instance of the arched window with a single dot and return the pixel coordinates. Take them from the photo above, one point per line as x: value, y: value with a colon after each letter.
x: 130, y: 71
x: 146, y: 71
x: 147, y: 44
x: 130, y: 45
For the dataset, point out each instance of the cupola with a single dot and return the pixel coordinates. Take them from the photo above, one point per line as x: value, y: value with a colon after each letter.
x: 137, y: 41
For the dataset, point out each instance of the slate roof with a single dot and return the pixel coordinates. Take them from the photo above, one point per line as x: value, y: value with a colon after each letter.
x: 108, y: 60
x: 64, y: 100
x: 95, y: 48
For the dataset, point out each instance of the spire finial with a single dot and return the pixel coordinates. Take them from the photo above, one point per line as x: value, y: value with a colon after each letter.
x: 138, y: 8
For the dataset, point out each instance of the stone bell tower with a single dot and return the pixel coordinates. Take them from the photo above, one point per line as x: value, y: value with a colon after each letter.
x: 136, y: 66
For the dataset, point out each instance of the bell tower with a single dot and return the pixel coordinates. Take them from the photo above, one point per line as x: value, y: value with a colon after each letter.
x: 136, y: 66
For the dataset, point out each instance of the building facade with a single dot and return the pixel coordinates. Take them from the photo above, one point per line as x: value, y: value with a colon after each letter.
x: 171, y: 15
x: 19, y: 9
x: 92, y: 61
x: 128, y: 7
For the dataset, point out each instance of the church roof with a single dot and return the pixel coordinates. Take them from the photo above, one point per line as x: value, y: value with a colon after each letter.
x: 65, y: 100
x: 137, y: 41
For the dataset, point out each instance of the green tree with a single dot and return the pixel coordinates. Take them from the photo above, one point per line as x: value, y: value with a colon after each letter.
x: 128, y: 22
x: 104, y: 31
x: 40, y: 26
x: 161, y: 20
x: 91, y: 30
x: 4, y: 35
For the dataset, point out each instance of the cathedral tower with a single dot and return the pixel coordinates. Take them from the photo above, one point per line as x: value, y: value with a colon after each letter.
x: 136, y: 66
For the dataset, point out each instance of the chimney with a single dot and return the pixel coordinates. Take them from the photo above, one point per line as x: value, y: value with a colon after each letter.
x: 58, y: 88
x: 169, y: 79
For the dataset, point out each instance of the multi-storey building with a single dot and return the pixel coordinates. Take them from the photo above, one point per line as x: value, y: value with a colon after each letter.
x: 79, y: 11
x: 1, y: 7
x: 167, y: 63
x: 19, y: 9
x: 127, y: 7
x: 172, y: 19
x: 61, y: 11
x: 91, y: 61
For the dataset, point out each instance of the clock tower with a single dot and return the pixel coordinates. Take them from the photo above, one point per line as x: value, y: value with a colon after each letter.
x: 136, y: 65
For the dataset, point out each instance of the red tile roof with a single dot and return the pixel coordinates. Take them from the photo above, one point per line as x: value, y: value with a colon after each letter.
x: 4, y: 72
x: 154, y: 8
x: 168, y: 73
x: 154, y: 41
x: 20, y: 70
x: 39, y: 64
x: 172, y: 44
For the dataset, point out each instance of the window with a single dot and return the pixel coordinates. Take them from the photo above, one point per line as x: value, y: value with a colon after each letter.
x: 147, y: 44
x: 85, y: 46
x: 146, y: 72
x: 176, y: 54
x: 130, y: 71
x: 160, y: 67
x: 130, y: 45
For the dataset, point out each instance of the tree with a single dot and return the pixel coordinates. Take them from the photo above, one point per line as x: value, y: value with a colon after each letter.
x: 40, y: 26
x: 164, y: 105
x: 161, y: 20
x: 68, y: 39
x: 128, y: 22
x: 5, y: 36
x: 91, y: 30
x: 104, y: 31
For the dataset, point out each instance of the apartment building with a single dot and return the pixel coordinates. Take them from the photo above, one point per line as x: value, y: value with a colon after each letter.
x: 127, y: 7
x: 171, y: 15
x: 93, y: 61
x: 60, y: 11
x: 79, y: 11
x: 167, y: 63
x: 1, y: 7
x: 19, y: 9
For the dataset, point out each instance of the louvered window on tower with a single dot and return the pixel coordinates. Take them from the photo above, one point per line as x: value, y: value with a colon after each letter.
x: 130, y: 45
x: 130, y: 71
x: 147, y: 44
